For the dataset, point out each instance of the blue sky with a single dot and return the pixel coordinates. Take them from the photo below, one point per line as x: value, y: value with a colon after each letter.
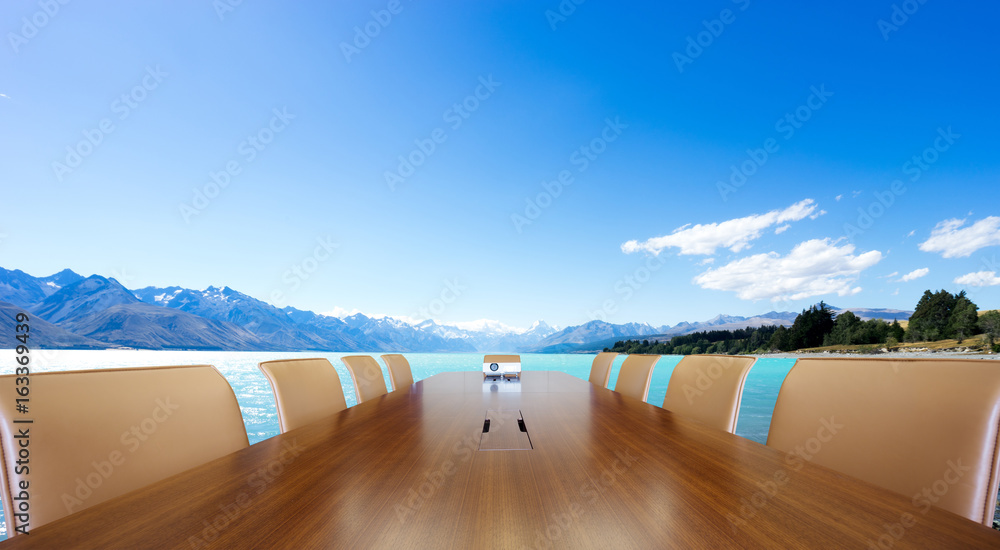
x: 511, y: 161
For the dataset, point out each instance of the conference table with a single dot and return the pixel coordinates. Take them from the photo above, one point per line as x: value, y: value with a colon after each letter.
x: 546, y: 461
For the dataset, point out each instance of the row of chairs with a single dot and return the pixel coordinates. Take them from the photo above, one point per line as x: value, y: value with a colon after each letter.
x: 864, y: 417
x: 706, y: 388
x: 911, y: 426
x: 67, y: 419
x: 925, y: 428
x: 306, y: 390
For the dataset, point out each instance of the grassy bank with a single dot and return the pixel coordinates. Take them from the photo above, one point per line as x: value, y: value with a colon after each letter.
x: 968, y: 345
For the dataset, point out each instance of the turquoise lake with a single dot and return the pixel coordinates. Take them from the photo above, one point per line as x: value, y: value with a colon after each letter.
x: 257, y: 402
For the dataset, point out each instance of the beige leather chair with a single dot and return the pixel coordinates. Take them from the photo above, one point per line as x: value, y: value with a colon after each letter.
x: 708, y: 388
x: 915, y: 426
x: 600, y: 369
x: 366, y: 375
x: 399, y: 371
x: 98, y: 434
x: 501, y: 359
x: 305, y: 390
x: 635, y: 375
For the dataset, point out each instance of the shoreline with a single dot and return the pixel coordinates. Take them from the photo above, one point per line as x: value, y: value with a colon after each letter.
x: 918, y: 354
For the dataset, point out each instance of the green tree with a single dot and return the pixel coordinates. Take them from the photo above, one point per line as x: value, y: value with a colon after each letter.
x: 896, y: 331
x: 810, y: 327
x: 964, y: 320
x: 843, y: 328
x: 779, y: 340
x: 712, y: 341
x: 931, y: 317
x: 891, y: 343
x: 757, y: 340
x: 989, y: 323
x: 872, y: 331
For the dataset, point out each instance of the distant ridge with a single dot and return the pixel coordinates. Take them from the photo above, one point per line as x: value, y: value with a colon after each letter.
x: 41, y: 333
x: 879, y: 313
x: 571, y: 338
x: 273, y: 327
x: 82, y: 298
x: 98, y: 312
x: 149, y: 327
x: 593, y: 343
x: 20, y: 288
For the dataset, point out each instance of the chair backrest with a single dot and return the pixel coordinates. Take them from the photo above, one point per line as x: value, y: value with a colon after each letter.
x: 97, y: 434
x: 305, y: 390
x: 708, y: 388
x: 635, y: 375
x: 399, y: 371
x: 926, y: 428
x: 501, y: 359
x: 366, y: 375
x: 600, y: 369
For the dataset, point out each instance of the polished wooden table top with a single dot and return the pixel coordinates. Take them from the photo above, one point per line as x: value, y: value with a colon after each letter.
x: 601, y: 471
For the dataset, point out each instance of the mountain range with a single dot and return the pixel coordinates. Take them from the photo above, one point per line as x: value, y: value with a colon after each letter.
x: 71, y: 311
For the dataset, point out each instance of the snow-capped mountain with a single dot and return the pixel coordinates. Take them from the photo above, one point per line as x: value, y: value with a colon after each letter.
x: 571, y: 337
x: 102, y: 310
x: 96, y: 310
x: 56, y: 281
x: 488, y: 335
x: 82, y: 298
x: 732, y: 322
x: 387, y: 333
x: 270, y: 324
x: 22, y: 289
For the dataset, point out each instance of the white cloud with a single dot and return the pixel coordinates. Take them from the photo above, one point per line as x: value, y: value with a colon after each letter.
x: 855, y: 194
x: 707, y: 261
x: 915, y: 274
x: 817, y: 214
x: 733, y: 234
x: 813, y: 268
x: 893, y: 274
x: 979, y: 278
x: 781, y: 229
x: 911, y: 233
x: 5, y: 96
x: 954, y: 241
x: 838, y: 197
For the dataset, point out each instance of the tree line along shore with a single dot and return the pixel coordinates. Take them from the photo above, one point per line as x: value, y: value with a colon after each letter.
x: 941, y: 320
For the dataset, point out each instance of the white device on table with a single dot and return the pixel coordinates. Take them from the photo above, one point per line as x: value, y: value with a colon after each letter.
x: 508, y: 366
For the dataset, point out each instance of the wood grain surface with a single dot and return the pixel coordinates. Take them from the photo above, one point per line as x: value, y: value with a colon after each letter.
x: 404, y: 471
